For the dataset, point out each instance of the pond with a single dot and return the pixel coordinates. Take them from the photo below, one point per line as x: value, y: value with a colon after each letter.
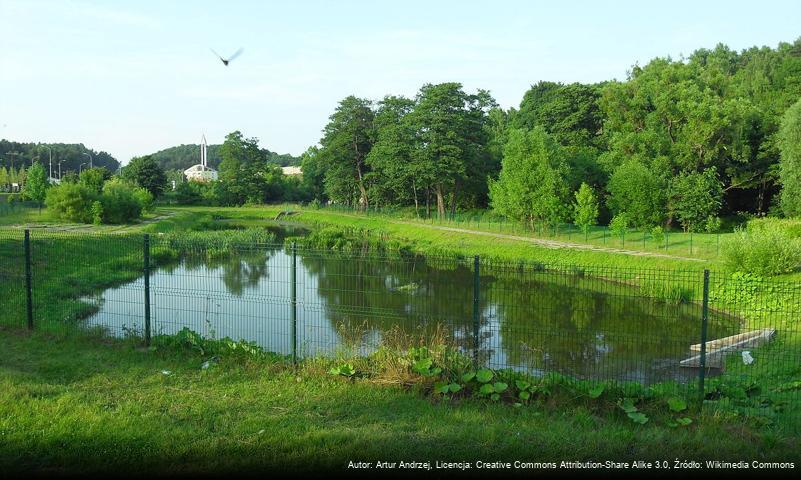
x: 532, y: 321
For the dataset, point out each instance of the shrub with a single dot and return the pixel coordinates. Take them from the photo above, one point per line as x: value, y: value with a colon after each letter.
x: 763, y: 250
x: 120, y: 202
x: 71, y: 201
x: 619, y: 224
x: 658, y: 234
x: 144, y: 197
x: 97, y: 212
x: 791, y: 227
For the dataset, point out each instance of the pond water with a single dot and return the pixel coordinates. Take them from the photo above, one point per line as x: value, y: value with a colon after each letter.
x: 531, y: 321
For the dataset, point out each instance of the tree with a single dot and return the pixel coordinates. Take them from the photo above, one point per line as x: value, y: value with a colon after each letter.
x: 695, y: 197
x: 94, y: 178
x: 346, y: 142
x: 451, y: 141
x: 531, y: 186
x: 393, y: 168
x: 569, y: 113
x: 636, y: 191
x: 313, y: 174
x: 146, y: 172
x: 585, y: 209
x: 790, y: 165
x: 245, y: 173
x: 35, y: 188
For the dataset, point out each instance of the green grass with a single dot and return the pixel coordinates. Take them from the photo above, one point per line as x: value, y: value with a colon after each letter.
x: 78, y: 405
x: 428, y: 240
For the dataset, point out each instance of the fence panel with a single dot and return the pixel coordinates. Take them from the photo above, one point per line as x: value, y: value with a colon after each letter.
x: 12, y: 279
x: 588, y: 323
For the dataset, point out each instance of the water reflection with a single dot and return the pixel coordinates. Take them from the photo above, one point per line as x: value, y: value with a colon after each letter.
x: 533, y: 321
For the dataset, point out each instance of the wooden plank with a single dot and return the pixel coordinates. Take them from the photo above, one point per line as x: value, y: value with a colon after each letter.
x: 715, y: 355
x: 763, y: 335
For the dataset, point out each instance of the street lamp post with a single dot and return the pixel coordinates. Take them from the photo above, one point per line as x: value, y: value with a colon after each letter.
x: 59, y: 169
x: 79, y: 167
x: 50, y: 152
x: 90, y: 158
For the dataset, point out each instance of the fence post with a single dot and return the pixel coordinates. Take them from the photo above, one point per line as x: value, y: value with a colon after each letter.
x: 28, y: 282
x: 294, y: 303
x: 704, y: 321
x: 146, y: 255
x: 691, y: 242
x: 476, y: 294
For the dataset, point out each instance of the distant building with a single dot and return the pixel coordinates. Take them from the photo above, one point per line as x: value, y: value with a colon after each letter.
x: 201, y: 172
x: 291, y: 171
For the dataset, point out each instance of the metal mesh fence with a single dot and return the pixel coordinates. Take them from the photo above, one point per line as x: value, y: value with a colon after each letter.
x: 588, y: 323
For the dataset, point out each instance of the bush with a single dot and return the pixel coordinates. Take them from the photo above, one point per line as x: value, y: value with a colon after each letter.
x: 791, y: 227
x: 120, y: 202
x: 71, y: 201
x: 658, y: 234
x: 619, y: 224
x: 144, y: 197
x: 764, y: 250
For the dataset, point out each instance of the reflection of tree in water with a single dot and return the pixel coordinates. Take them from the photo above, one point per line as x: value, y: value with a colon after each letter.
x: 383, y: 293
x: 240, y: 270
x: 549, y: 322
x: 557, y: 323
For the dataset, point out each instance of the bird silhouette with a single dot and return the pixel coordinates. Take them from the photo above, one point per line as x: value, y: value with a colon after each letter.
x: 225, y: 61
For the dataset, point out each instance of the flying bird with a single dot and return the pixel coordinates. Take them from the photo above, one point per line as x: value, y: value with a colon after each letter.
x: 226, y: 60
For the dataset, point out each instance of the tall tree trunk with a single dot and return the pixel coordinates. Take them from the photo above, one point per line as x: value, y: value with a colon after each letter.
x: 453, y: 199
x: 440, y: 201
x: 428, y: 202
x: 414, y: 189
x: 362, y: 201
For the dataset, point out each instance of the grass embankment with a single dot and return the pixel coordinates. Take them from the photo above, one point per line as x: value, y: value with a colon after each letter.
x: 66, y: 266
x: 79, y: 405
x: 760, y: 303
x: 431, y: 241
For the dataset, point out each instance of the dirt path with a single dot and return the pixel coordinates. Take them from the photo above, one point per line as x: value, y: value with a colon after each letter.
x: 555, y: 244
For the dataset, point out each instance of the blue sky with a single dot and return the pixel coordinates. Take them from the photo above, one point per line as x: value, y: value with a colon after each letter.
x: 132, y: 77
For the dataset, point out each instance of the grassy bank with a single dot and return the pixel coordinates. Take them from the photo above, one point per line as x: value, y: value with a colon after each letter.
x: 432, y: 241
x: 68, y: 266
x: 79, y: 405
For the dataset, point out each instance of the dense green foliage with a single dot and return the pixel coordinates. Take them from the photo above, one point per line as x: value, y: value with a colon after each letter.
x: 434, y: 147
x: 182, y: 157
x: 647, y: 145
x: 96, y: 199
x: 763, y: 248
x: 790, y: 166
x: 35, y: 187
x: 532, y: 184
x: 71, y: 156
x: 146, y: 172
x: 695, y: 198
x: 585, y: 209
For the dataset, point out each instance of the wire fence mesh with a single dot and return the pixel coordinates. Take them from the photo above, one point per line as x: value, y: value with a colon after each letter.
x: 585, y: 322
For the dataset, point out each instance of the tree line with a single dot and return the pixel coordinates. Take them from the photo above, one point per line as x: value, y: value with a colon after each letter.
x: 18, y: 156
x: 679, y: 142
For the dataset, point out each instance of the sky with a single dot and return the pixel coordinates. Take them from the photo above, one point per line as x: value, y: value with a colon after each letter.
x: 133, y: 77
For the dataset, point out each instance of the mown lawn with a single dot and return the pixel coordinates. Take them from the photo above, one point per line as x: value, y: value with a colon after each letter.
x: 72, y: 405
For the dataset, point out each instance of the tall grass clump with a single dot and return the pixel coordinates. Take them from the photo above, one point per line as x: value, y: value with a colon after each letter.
x: 210, y: 244
x: 763, y: 248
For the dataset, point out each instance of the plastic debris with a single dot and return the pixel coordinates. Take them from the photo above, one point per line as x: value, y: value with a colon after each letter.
x: 166, y: 372
x: 747, y: 358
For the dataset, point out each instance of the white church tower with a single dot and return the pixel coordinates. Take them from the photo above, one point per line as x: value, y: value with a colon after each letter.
x: 201, y: 172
